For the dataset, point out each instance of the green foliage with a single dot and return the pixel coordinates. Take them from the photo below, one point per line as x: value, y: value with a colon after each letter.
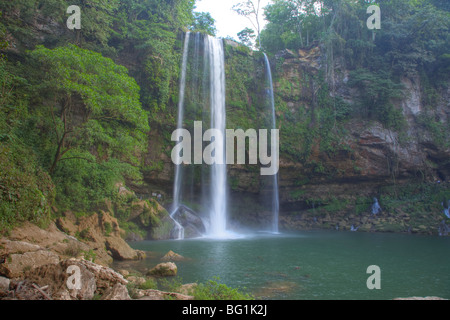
x: 26, y: 191
x: 89, y: 255
x: 416, y: 199
x: 149, y: 30
x: 204, y: 23
x: 247, y: 36
x: 149, y: 283
x: 92, y: 115
x: 75, y: 113
x: 83, y: 184
x: 377, y: 92
x: 244, y: 91
x: 171, y: 284
x: 107, y: 228
x: 214, y: 290
x: 440, y: 131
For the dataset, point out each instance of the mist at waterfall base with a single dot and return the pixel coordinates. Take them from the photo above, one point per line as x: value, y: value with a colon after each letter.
x: 201, y: 201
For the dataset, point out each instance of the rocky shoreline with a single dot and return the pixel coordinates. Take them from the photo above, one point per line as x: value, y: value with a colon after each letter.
x: 44, y: 263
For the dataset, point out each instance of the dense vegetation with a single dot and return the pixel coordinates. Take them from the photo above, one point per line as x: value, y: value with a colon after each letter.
x: 76, y: 105
x: 413, y: 40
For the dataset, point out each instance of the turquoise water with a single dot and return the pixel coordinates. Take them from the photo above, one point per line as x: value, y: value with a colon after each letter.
x: 315, y: 265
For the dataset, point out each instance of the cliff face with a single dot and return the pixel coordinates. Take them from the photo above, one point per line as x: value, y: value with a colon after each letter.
x: 333, y: 166
x: 367, y: 151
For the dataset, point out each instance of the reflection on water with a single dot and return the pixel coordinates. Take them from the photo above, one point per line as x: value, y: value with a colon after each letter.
x: 314, y: 265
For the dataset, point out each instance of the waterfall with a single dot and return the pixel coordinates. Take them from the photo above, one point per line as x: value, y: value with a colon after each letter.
x: 218, y: 185
x: 202, y: 93
x: 375, y: 207
x: 446, y: 209
x: 275, y: 192
x: 177, y: 187
x: 202, y: 97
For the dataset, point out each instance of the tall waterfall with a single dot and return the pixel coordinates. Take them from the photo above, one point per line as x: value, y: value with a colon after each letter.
x: 218, y: 191
x: 200, y: 189
x: 275, y: 194
x: 202, y: 97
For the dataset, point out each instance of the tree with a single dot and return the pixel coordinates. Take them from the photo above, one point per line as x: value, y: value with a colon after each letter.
x: 93, y: 103
x: 247, y: 36
x: 251, y: 9
x: 204, y: 23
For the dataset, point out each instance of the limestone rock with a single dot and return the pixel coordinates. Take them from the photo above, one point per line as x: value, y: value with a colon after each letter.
x: 31, y: 238
x: 56, y: 277
x: 191, y: 222
x: 100, y: 233
x: 172, y: 256
x: 118, y: 292
x: 17, y: 263
x: 67, y: 223
x: 95, y: 279
x: 119, y: 249
x: 136, y: 280
x: 105, y: 277
x: 151, y: 294
x: 166, y: 269
x: 4, y: 283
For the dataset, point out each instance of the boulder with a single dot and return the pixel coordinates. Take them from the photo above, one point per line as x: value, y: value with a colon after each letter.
x: 56, y: 277
x: 4, y: 284
x: 191, y: 222
x: 101, y: 234
x: 95, y: 280
x: 119, y: 249
x: 138, y: 281
x: 166, y: 269
x: 105, y: 277
x: 172, y: 256
x: 21, y: 256
x: 67, y: 223
x: 118, y: 292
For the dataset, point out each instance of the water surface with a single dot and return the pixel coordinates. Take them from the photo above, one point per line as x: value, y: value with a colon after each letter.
x: 314, y: 265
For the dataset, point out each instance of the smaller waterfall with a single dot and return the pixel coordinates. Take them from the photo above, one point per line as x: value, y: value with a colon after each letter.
x: 446, y: 210
x: 275, y: 192
x: 178, y: 168
x: 376, y: 206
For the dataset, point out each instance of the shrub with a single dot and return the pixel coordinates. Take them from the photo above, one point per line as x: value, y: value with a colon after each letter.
x: 213, y: 290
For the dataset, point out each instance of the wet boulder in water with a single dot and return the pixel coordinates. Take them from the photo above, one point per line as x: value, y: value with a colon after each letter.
x: 191, y: 222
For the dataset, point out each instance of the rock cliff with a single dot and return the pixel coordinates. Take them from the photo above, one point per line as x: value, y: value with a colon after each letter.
x: 333, y: 161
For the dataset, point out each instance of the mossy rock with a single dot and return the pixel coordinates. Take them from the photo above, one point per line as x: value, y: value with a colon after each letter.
x: 166, y: 269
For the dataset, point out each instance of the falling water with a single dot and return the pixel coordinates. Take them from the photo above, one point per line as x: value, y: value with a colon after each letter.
x: 178, y: 168
x: 376, y: 206
x: 275, y: 195
x: 218, y: 191
x: 207, y: 96
x: 202, y: 94
x: 446, y: 210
